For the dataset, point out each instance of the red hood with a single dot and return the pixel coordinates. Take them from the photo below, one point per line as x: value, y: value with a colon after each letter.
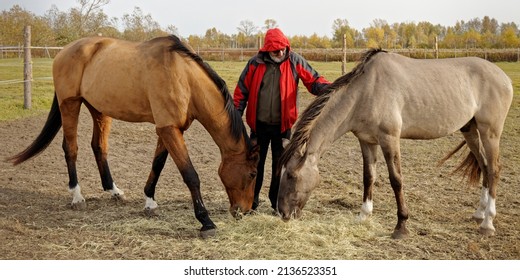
x: 275, y: 40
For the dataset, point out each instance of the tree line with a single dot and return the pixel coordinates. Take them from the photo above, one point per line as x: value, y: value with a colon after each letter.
x: 57, y: 28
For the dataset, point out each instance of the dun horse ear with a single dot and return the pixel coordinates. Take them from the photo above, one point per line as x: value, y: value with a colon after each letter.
x: 303, y: 149
x: 285, y: 142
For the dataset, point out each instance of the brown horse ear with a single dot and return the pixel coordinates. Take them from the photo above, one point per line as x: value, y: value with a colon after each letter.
x: 254, y: 153
x: 254, y: 142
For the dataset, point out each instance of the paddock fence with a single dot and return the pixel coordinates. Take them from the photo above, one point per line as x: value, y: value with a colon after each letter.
x: 326, y: 55
x: 28, y: 52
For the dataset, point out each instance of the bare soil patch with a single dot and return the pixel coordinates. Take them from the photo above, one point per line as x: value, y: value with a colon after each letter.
x: 36, y: 221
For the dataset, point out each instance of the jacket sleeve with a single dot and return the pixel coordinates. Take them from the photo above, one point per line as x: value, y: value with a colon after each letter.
x: 241, y: 93
x: 314, y: 82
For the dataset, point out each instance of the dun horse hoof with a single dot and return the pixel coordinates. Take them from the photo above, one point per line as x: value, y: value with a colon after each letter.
x: 362, y: 217
x: 209, y: 233
x: 478, y: 220
x: 486, y: 231
x: 151, y: 212
x: 81, y: 205
x: 400, y: 234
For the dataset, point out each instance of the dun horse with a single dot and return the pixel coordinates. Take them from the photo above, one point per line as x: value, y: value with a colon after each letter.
x: 387, y: 97
x: 160, y: 81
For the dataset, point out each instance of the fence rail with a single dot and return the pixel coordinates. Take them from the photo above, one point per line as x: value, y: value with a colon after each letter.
x: 242, y: 54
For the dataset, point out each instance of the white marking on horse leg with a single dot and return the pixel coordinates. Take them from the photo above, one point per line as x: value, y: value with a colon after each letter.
x: 150, y: 204
x: 366, y: 210
x: 490, y: 214
x: 484, y: 198
x: 116, y: 192
x: 78, y: 201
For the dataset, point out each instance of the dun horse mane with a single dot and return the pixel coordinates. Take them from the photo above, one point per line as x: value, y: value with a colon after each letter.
x: 306, y: 122
x: 237, y: 127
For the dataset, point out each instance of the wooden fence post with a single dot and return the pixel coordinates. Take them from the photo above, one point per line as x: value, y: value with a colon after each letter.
x: 27, y: 69
x: 344, y: 61
x: 436, y: 47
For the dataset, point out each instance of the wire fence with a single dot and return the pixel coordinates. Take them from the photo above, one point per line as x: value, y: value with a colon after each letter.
x: 20, y: 81
x: 336, y: 54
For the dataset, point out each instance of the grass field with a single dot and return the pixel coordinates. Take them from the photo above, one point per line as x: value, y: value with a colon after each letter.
x: 11, y: 93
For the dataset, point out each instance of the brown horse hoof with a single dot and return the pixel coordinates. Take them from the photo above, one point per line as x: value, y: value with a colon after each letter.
x: 81, y: 205
x: 486, y: 231
x: 120, y: 198
x: 400, y: 234
x: 205, y: 234
x: 149, y: 212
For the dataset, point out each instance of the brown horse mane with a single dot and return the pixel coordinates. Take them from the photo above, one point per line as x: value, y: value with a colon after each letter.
x: 237, y: 128
x: 306, y: 121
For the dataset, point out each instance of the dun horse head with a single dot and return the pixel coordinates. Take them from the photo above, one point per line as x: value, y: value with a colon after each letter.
x: 299, y: 176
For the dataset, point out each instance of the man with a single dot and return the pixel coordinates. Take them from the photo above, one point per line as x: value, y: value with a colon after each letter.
x: 268, y: 87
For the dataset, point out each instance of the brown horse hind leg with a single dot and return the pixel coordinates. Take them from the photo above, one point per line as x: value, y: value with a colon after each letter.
x: 69, y: 109
x: 99, y: 144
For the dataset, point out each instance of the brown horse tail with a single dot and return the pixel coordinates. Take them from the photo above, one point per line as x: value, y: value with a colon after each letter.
x: 49, y: 131
x: 468, y: 168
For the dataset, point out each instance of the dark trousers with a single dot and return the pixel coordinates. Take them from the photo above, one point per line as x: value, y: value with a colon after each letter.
x: 264, y: 135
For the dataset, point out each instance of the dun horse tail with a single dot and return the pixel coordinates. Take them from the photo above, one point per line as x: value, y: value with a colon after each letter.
x: 468, y: 168
x: 49, y: 131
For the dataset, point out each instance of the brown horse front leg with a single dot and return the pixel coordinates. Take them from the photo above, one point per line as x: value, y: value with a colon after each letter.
x: 393, y: 161
x: 174, y: 142
x: 159, y: 159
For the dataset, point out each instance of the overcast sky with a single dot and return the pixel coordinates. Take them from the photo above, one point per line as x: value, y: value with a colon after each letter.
x: 301, y: 17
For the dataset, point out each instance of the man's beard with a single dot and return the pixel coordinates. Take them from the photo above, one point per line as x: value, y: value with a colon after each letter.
x: 277, y: 59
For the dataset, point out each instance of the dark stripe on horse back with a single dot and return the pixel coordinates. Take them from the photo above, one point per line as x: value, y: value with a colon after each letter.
x: 304, y: 124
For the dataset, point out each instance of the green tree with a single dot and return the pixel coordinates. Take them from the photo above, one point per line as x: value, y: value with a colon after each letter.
x: 248, y: 29
x: 509, y: 36
x: 13, y: 22
x: 140, y: 27
x: 354, y: 38
x: 86, y: 20
x: 269, y: 24
x: 472, y: 38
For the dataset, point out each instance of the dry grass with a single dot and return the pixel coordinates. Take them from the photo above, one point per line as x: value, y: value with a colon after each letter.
x: 36, y: 222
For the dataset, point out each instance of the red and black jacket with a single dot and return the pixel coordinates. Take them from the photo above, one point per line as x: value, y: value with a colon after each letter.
x: 293, y: 69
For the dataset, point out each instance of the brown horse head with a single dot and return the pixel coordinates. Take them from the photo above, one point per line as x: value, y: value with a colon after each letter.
x: 238, y: 174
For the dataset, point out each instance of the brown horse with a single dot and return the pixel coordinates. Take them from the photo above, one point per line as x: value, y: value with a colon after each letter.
x: 387, y: 97
x: 160, y: 81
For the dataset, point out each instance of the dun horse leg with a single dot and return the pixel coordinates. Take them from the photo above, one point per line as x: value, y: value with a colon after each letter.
x: 69, y: 114
x: 392, y: 155
x: 174, y: 142
x: 99, y: 144
x: 369, y: 177
x: 490, y: 141
x: 159, y: 159
x: 472, y: 137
